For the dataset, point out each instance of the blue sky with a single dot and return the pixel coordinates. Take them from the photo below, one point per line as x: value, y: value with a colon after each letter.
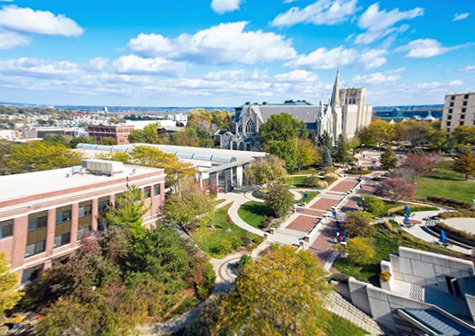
x: 226, y: 52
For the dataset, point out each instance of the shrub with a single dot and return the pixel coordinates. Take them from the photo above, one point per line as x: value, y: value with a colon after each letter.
x: 385, y: 276
x: 355, y: 171
x: 328, y: 170
x: 245, y: 240
x: 358, y: 225
x: 311, y: 181
x: 460, y: 233
x: 389, y: 226
x: 245, y: 260
x: 330, y: 177
x: 400, y: 212
x: 225, y: 246
x: 360, y: 251
x: 340, y: 277
x: 449, y: 202
x: 457, y: 214
x: 322, y: 184
x: 395, y: 209
x: 258, y: 240
x: 251, y: 247
x: 236, y: 242
x: 266, y: 224
x: 261, y: 193
x: 374, y: 205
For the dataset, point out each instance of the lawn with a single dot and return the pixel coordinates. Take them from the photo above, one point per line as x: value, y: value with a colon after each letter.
x: 310, y: 196
x: 338, y: 326
x: 301, y: 172
x: 298, y: 181
x: 253, y: 213
x: 459, y: 190
x: 413, y: 207
x: 209, y: 239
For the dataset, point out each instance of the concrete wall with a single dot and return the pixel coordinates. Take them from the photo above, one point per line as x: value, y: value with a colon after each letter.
x: 427, y: 269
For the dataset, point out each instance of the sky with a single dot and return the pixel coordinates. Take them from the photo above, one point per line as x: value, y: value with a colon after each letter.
x: 227, y: 52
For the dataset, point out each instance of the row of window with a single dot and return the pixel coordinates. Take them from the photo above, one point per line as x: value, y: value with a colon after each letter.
x: 464, y: 97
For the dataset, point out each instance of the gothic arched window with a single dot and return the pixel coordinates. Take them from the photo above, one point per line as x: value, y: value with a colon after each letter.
x: 250, y: 127
x: 240, y: 128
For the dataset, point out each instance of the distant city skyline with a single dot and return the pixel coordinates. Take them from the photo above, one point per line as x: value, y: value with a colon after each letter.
x: 226, y: 52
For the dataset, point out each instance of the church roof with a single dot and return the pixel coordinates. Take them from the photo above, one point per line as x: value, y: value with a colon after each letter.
x: 302, y: 112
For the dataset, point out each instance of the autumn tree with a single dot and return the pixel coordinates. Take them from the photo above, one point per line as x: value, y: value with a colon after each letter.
x: 38, y: 156
x: 422, y: 165
x: 193, y: 208
x: 281, y: 293
x: 356, y: 224
x: 395, y: 189
x: 360, y: 251
x: 282, y: 127
x: 9, y: 295
x: 306, y: 152
x: 464, y: 163
x: 389, y: 159
x: 265, y: 170
x: 279, y: 200
x: 149, y: 134
x: 378, y: 132
x: 464, y: 135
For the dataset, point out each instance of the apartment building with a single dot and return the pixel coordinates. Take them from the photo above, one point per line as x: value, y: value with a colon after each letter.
x: 459, y: 110
x: 45, y: 215
x: 119, y: 132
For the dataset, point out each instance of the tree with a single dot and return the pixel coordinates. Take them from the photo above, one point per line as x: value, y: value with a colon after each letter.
x: 327, y: 157
x: 108, y: 141
x: 286, y: 150
x: 342, y: 151
x: 306, y: 152
x: 148, y: 134
x: 282, y: 127
x: 281, y: 293
x: 436, y: 139
x: 83, y: 139
x: 389, y: 159
x: 464, y: 163
x: 38, y: 156
x: 279, y: 200
x: 360, y: 251
x: 373, y: 205
x: 395, y: 189
x: 464, y: 135
x: 128, y: 212
x: 326, y: 140
x: 265, y: 170
x: 9, y: 295
x: 422, y: 165
x: 193, y: 208
x: 58, y: 139
x: 356, y: 224
x: 378, y: 132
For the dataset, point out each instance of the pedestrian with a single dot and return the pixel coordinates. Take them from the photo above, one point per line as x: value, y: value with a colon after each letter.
x: 340, y: 239
x: 338, y: 233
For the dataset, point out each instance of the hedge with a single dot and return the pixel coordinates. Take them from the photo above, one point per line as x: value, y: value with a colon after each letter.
x: 449, y: 201
x: 355, y: 171
x: 414, y: 209
x: 458, y: 214
x: 456, y: 232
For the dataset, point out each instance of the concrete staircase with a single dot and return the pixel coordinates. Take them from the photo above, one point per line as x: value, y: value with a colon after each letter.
x: 341, y: 307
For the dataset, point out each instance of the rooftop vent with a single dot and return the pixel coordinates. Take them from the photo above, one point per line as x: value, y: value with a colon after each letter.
x: 103, y: 167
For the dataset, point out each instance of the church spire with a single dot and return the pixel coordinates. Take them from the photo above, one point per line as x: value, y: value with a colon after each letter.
x: 336, y: 90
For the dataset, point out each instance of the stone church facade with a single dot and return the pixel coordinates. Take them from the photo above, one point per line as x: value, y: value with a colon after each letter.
x: 346, y: 113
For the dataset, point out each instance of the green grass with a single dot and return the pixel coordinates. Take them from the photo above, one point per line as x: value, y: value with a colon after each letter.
x: 298, y: 181
x: 310, y: 196
x: 253, y: 213
x: 413, y: 207
x: 301, y: 172
x: 338, y: 326
x: 459, y: 190
x: 209, y: 239
x: 447, y: 174
x: 186, y: 305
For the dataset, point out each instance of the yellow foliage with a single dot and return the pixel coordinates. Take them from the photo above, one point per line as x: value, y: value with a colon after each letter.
x: 9, y: 295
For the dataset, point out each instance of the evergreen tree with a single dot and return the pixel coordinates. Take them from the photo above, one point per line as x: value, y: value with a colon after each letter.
x: 342, y: 151
x: 389, y: 159
x: 327, y: 157
x: 326, y: 139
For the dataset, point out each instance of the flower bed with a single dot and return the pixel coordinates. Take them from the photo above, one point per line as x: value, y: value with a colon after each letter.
x: 449, y: 202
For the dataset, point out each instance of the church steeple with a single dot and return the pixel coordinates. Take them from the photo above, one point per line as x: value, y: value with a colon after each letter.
x: 335, y: 100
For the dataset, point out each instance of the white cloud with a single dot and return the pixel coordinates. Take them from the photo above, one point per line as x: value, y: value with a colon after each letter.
x: 38, y: 22
x: 224, y: 6
x: 323, y: 58
x: 225, y: 43
x: 379, y: 23
x: 97, y: 64
x: 456, y: 83
x: 396, y: 71
x: 236, y: 74
x: 9, y: 40
x: 32, y: 67
x: 458, y: 17
x: 425, y: 48
x: 321, y: 12
x: 376, y: 78
x: 297, y: 76
x: 135, y: 65
x: 289, y: 1
x: 469, y: 69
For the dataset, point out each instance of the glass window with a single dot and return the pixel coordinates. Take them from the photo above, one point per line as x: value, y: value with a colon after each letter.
x: 464, y: 110
x: 63, y: 239
x: 6, y: 228
x: 37, y: 223
x: 63, y: 216
x: 84, y: 232
x: 35, y: 248
x: 156, y: 189
x: 146, y: 192
x: 31, y: 274
x: 85, y: 211
x: 102, y: 206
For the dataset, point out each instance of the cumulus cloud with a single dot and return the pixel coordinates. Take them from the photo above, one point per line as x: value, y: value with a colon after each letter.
x: 289, y: 1
x: 469, y: 69
x: 32, y: 67
x: 38, y: 22
x: 224, y: 6
x: 297, y: 76
x: 379, y: 23
x: 135, y: 65
x: 373, y: 58
x: 97, y: 64
x: 458, y: 17
x: 426, y: 48
x: 321, y: 12
x: 376, y: 78
x: 10, y: 40
x: 225, y: 43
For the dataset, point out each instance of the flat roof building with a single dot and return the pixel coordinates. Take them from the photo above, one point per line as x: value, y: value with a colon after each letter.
x: 44, y: 215
x: 459, y: 110
x: 118, y: 132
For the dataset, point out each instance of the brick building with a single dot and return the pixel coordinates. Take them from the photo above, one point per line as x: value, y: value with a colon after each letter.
x: 119, y: 132
x: 44, y: 215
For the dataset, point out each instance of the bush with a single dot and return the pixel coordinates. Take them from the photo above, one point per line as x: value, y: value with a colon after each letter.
x: 236, y: 242
x: 251, y: 247
x: 245, y: 259
x: 330, y: 177
x: 322, y: 184
x: 245, y: 240
x: 311, y: 181
x: 358, y: 225
x: 388, y: 226
x: 340, y: 277
x: 360, y: 251
x: 328, y: 170
x: 355, y: 171
x: 400, y: 212
x: 267, y: 222
x: 458, y: 214
x: 261, y: 193
x: 374, y: 205
x: 225, y: 247
x: 258, y: 240
x: 460, y: 233
x: 449, y: 202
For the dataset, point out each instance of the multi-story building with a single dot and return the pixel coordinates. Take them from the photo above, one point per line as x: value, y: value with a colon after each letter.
x: 119, y: 132
x: 44, y: 215
x: 459, y: 110
x: 41, y: 132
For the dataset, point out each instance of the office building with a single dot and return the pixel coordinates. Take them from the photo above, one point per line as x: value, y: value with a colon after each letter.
x: 45, y: 215
x: 459, y: 110
x: 118, y: 132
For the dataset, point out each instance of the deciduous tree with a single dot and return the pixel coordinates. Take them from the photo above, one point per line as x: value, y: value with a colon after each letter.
x: 306, y: 152
x: 286, y: 150
x: 108, y: 141
x: 9, y: 295
x: 373, y: 205
x: 279, y: 200
x: 281, y: 293
x: 395, y: 189
x: 464, y: 163
x: 420, y: 164
x: 358, y: 225
x: 360, y: 251
x: 265, y: 170
x: 282, y: 127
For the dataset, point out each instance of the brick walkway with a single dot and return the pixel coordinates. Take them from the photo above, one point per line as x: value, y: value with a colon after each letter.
x: 344, y: 186
x: 351, y: 204
x: 303, y: 223
x: 322, y: 248
x: 325, y: 203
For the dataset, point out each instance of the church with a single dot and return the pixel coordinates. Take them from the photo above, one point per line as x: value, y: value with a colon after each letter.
x: 346, y: 113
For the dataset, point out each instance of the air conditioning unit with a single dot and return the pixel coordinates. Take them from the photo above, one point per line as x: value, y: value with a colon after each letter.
x: 103, y: 166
